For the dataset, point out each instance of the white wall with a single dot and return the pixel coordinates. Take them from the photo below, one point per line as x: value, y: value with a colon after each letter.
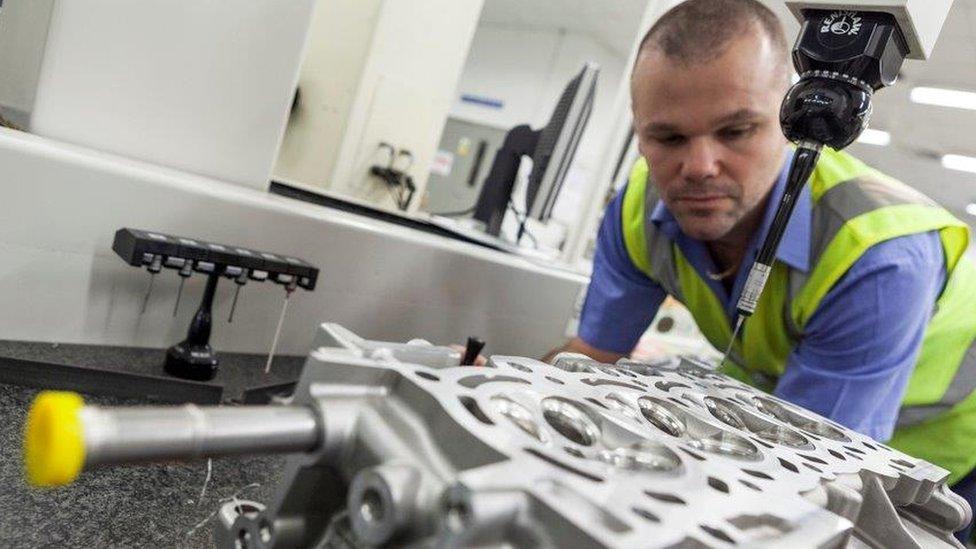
x: 527, y: 69
x: 405, y: 92
x: 23, y: 33
x: 583, y: 232
x: 339, y: 41
x: 199, y: 86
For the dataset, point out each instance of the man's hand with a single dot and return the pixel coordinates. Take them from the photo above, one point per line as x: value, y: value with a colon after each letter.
x: 577, y: 345
x: 479, y: 361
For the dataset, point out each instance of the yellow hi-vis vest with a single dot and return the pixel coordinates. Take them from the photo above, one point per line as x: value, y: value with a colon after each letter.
x: 854, y: 208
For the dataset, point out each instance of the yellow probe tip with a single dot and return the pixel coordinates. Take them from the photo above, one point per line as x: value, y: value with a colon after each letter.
x: 54, y: 449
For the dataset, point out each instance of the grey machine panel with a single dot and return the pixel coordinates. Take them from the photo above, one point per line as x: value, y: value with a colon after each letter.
x: 472, y: 148
x: 396, y: 445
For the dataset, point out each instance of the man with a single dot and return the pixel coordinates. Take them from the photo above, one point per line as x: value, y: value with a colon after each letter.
x: 869, y: 313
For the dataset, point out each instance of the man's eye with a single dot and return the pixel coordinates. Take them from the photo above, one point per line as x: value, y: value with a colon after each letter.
x: 670, y: 140
x: 736, y: 132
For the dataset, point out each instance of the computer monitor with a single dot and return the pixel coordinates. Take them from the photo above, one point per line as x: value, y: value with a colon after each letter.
x: 551, y: 149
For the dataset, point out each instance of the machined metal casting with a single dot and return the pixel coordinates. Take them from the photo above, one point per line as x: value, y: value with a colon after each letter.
x: 395, y: 445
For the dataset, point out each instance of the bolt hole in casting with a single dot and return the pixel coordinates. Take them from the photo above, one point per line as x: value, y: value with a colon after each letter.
x: 570, y: 420
x: 702, y: 436
x: 518, y: 415
x: 733, y: 415
x: 371, y: 509
x: 789, y: 415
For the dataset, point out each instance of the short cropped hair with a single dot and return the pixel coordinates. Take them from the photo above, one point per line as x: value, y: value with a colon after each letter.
x: 696, y: 31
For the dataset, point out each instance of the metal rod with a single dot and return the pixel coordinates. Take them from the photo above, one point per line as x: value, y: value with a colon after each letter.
x: 728, y: 350
x: 274, y: 342
x: 155, y: 265
x: 241, y: 280
x: 233, y: 305
x: 185, y: 271
x: 129, y: 434
x: 179, y: 294
x: 145, y: 299
x: 804, y: 162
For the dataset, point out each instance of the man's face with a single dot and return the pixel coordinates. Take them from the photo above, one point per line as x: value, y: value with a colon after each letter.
x: 710, y: 132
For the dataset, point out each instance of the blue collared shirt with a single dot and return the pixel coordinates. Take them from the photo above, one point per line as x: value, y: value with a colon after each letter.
x: 858, y: 348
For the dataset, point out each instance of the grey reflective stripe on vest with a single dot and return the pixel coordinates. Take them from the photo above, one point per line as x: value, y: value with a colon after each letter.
x: 838, y: 205
x: 850, y: 199
x: 660, y: 249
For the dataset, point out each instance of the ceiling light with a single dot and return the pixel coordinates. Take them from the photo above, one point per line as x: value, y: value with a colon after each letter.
x: 944, y: 98
x: 875, y: 137
x: 971, y: 209
x: 961, y: 163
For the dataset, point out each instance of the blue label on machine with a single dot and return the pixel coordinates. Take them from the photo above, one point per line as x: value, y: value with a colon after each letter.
x: 483, y: 101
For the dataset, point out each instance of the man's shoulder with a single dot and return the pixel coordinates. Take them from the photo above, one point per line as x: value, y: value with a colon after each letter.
x: 842, y: 176
x: 919, y: 248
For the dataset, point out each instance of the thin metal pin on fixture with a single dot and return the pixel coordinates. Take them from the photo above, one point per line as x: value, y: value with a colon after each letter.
x: 240, y: 281
x: 233, y: 305
x: 185, y: 271
x: 155, y: 265
x: 281, y: 322
x: 145, y: 298
x: 179, y: 294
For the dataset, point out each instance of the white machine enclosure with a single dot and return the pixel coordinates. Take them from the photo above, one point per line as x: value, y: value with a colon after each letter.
x: 920, y: 20
x: 204, y: 87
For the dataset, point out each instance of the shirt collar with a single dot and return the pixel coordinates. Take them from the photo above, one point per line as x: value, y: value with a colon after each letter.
x: 794, y: 248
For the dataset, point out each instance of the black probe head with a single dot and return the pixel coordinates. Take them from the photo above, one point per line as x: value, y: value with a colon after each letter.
x: 825, y: 110
x: 842, y: 58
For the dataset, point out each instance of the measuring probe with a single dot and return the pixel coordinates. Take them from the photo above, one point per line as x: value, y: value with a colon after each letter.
x: 842, y: 58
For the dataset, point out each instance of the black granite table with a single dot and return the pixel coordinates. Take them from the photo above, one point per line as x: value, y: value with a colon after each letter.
x: 136, y: 372
x: 144, y: 506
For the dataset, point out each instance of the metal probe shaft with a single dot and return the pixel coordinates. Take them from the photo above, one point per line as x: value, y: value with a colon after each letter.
x: 281, y: 322
x: 145, y: 434
x: 804, y: 161
x: 735, y: 332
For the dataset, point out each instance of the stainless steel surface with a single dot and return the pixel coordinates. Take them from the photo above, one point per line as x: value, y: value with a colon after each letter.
x: 121, y: 435
x: 575, y: 454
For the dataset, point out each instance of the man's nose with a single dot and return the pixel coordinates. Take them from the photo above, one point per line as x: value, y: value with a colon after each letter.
x: 701, y: 160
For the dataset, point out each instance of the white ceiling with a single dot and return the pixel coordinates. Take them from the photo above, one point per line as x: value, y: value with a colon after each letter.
x: 921, y: 133
x: 612, y: 22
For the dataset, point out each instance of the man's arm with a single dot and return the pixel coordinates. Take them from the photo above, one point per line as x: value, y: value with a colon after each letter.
x: 577, y: 345
x: 621, y: 301
x: 861, y: 346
